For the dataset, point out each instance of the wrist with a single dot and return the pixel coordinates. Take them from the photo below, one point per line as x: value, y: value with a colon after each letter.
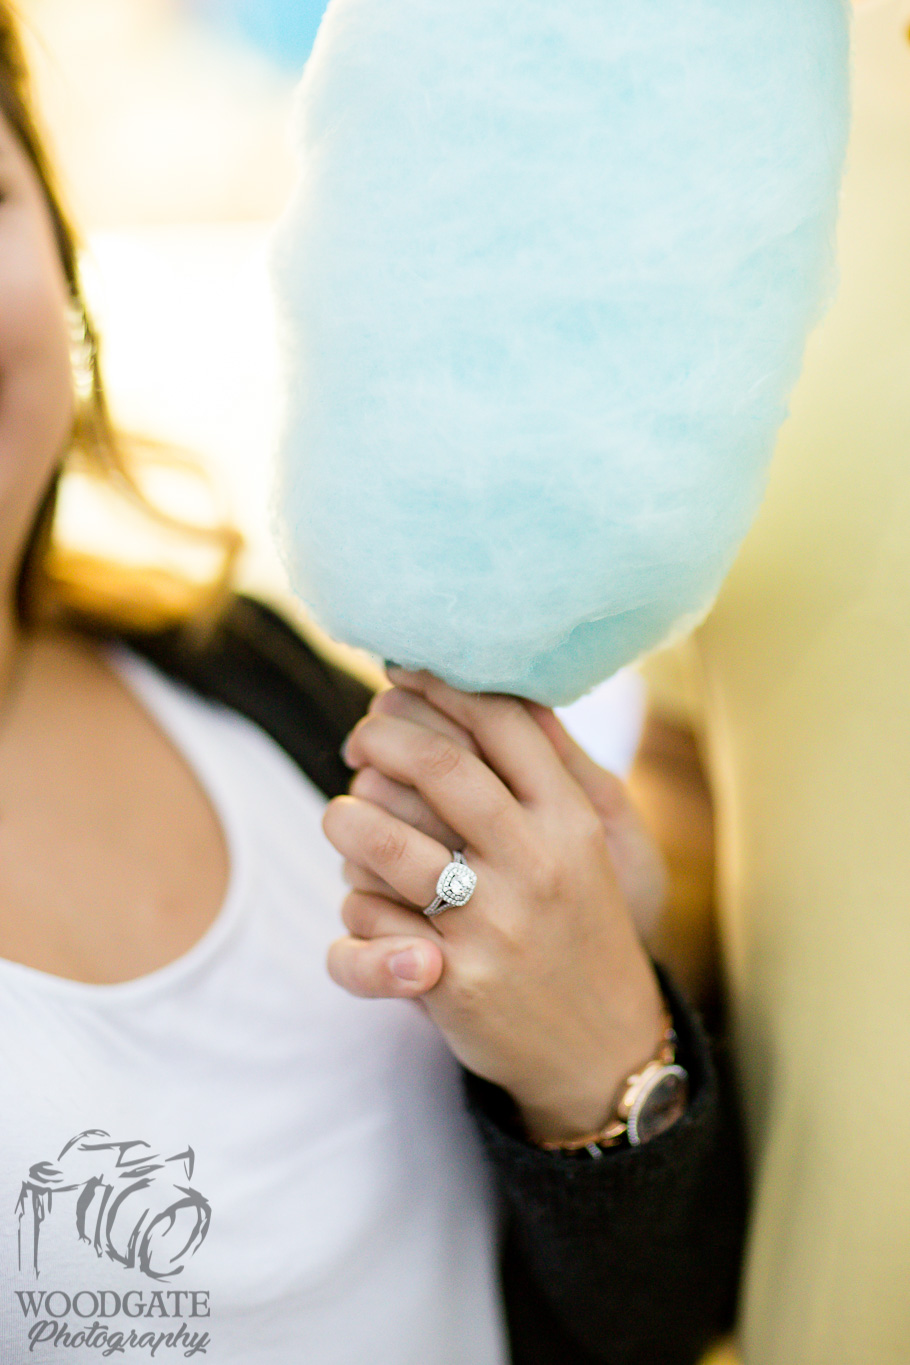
x: 651, y: 1099
x: 585, y: 1101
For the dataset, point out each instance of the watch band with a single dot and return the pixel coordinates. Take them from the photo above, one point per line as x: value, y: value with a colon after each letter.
x: 629, y: 1124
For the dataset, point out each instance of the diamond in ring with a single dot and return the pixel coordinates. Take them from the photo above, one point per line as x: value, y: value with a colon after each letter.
x: 456, y: 883
x: 455, y: 886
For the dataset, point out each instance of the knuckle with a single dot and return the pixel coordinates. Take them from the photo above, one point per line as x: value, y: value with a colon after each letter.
x: 440, y: 756
x: 543, y: 874
x: 387, y: 846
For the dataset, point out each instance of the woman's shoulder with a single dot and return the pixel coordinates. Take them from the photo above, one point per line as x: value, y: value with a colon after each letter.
x: 256, y: 662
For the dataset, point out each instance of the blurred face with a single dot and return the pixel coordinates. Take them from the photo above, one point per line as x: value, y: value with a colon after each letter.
x: 36, y: 389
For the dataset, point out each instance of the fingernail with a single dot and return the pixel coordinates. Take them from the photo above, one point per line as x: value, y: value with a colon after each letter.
x: 407, y: 965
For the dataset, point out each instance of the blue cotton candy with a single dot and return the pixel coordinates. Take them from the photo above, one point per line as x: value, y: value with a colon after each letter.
x: 544, y: 288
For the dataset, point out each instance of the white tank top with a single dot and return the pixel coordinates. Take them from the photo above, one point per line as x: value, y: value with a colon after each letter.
x: 229, y: 1158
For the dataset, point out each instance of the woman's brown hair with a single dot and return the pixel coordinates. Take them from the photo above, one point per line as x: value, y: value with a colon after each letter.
x: 59, y: 584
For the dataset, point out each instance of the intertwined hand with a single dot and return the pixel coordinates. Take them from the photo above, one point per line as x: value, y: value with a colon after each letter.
x: 539, y: 983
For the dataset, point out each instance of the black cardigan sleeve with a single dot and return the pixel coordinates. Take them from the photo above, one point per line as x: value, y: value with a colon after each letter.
x: 631, y: 1259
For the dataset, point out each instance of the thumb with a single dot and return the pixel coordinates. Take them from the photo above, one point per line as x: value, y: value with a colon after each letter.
x: 386, y: 967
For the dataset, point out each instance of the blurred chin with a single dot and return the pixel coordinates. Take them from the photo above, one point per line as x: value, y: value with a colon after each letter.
x: 37, y: 411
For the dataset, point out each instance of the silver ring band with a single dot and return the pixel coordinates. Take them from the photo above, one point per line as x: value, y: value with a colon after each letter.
x: 455, y: 886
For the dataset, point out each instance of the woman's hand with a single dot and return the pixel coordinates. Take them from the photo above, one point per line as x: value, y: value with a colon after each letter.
x: 637, y: 861
x: 539, y: 983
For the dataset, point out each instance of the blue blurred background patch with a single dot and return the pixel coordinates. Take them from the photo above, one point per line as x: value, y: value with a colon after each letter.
x: 282, y: 29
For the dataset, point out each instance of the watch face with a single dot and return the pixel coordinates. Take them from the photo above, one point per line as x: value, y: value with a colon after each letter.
x: 659, y: 1106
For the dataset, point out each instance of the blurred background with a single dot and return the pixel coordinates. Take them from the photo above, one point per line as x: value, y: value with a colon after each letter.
x: 169, y: 120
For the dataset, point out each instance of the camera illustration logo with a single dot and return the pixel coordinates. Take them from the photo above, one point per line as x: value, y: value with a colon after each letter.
x: 121, y: 1200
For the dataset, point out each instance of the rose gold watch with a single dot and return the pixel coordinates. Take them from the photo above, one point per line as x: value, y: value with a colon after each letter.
x: 652, y: 1100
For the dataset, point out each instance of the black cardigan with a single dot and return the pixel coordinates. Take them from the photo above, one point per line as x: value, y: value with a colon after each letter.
x: 632, y: 1259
